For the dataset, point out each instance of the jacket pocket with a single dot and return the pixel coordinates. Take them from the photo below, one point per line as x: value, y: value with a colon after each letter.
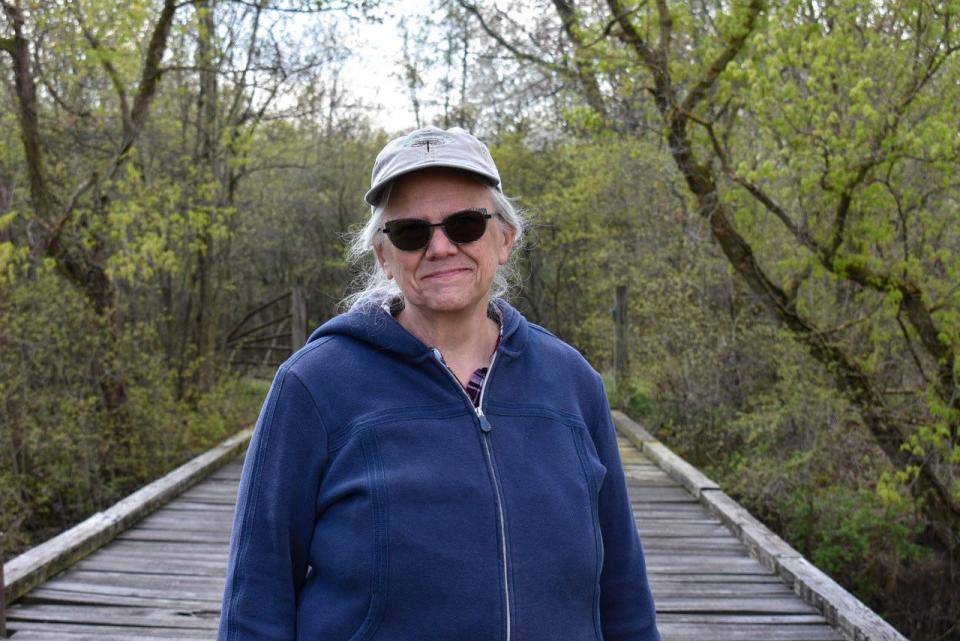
x: 378, y: 503
x: 345, y: 595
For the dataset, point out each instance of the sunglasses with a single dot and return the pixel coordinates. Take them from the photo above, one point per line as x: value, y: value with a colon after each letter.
x: 413, y: 234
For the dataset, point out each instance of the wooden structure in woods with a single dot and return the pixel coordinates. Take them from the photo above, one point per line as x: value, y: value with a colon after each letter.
x: 151, y: 568
x: 269, y: 333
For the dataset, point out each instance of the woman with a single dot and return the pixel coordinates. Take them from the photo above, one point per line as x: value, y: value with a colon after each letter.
x: 431, y: 466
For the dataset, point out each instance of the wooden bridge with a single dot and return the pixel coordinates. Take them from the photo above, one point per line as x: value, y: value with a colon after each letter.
x: 151, y: 568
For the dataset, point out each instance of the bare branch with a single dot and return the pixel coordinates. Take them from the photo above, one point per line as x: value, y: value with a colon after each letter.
x: 629, y: 35
x: 26, y: 95
x: 112, y: 72
x: 909, y: 344
x: 149, y: 77
x: 53, y: 236
x: 503, y: 42
x: 733, y: 48
x: 585, y: 75
x: 799, y: 231
x: 666, y: 29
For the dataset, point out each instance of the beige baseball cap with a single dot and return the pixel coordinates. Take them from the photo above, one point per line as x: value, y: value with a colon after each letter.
x: 430, y: 147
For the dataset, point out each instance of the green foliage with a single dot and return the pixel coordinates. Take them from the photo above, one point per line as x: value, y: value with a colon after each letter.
x: 844, y: 114
x: 846, y: 528
x: 62, y: 456
x: 633, y: 398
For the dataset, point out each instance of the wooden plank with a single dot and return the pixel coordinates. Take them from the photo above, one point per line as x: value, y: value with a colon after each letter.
x: 687, y: 507
x: 743, y: 619
x: 117, y: 616
x: 737, y: 604
x: 141, y: 534
x: 140, y: 547
x: 157, y: 589
x: 191, y: 521
x: 664, y: 545
x: 699, y: 565
x: 40, y: 631
x: 36, y: 565
x: 745, y: 632
x: 707, y: 577
x: 189, y: 506
x: 142, y: 580
x: 180, y: 568
x: 665, y: 587
x: 47, y: 595
x: 673, y: 530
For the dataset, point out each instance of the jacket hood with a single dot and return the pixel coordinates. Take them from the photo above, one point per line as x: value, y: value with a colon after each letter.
x: 375, y: 326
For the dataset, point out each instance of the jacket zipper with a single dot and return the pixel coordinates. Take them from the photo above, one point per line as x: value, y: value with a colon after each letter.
x: 485, y: 428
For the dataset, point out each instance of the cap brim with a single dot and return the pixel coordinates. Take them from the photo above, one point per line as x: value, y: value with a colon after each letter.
x: 373, y: 195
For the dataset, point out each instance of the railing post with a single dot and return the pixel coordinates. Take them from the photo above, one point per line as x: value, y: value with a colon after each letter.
x: 621, y: 348
x: 298, y: 319
x: 3, y: 595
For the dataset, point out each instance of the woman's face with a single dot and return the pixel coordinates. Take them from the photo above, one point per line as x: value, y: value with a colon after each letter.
x: 443, y: 277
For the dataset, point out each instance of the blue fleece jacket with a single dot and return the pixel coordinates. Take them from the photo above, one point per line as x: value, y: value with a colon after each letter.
x: 376, y: 503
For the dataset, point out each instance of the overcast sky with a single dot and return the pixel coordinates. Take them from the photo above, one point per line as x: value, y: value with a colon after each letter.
x: 373, y: 73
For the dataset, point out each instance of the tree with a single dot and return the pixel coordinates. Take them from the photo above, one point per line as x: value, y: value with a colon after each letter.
x: 59, y: 211
x: 830, y: 120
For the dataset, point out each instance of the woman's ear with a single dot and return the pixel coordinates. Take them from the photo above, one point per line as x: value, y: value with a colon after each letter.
x: 381, y: 260
x: 509, y: 235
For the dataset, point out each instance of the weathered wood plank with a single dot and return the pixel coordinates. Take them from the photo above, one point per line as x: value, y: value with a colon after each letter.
x: 41, y: 631
x: 157, y: 589
x: 143, y: 580
x: 201, y: 619
x: 738, y: 604
x: 141, y: 534
x: 44, y: 595
x: 133, y: 616
x: 179, y: 568
x: 669, y: 588
x: 745, y: 632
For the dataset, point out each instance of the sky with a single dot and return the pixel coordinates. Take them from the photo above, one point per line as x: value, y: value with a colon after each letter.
x: 373, y: 72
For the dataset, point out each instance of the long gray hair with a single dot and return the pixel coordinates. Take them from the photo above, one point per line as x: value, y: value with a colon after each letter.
x: 373, y: 288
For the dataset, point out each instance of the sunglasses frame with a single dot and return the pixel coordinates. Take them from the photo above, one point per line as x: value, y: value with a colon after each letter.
x: 485, y: 216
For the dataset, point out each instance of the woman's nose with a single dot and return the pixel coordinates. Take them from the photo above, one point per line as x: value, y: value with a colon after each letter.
x: 440, y: 246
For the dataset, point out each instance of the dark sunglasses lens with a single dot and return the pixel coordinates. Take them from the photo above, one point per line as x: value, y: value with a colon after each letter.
x: 465, y: 227
x: 409, y: 235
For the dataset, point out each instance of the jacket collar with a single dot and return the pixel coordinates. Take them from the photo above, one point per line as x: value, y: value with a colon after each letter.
x: 375, y: 327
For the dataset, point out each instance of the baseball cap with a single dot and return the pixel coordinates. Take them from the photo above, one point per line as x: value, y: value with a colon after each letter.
x: 430, y: 147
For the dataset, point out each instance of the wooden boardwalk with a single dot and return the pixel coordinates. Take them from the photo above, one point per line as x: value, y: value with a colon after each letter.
x: 162, y: 579
x: 705, y: 584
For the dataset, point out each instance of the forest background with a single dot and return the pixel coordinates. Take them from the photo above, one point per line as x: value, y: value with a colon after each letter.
x: 773, y: 184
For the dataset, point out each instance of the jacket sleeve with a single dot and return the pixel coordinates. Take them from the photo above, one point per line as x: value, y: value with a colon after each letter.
x: 274, y: 517
x: 626, y: 603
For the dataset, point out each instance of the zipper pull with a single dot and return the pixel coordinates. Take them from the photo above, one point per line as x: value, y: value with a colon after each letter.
x: 484, y: 423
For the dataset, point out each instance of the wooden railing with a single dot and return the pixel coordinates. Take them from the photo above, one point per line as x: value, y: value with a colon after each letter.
x: 38, y: 564
x: 840, y: 608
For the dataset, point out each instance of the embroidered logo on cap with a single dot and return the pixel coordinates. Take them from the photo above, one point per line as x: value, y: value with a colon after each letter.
x: 435, y: 139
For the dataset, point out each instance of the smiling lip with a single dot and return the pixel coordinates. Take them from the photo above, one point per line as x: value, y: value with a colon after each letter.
x: 446, y: 273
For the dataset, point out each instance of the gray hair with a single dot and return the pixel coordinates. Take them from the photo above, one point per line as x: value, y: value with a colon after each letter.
x: 373, y: 288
